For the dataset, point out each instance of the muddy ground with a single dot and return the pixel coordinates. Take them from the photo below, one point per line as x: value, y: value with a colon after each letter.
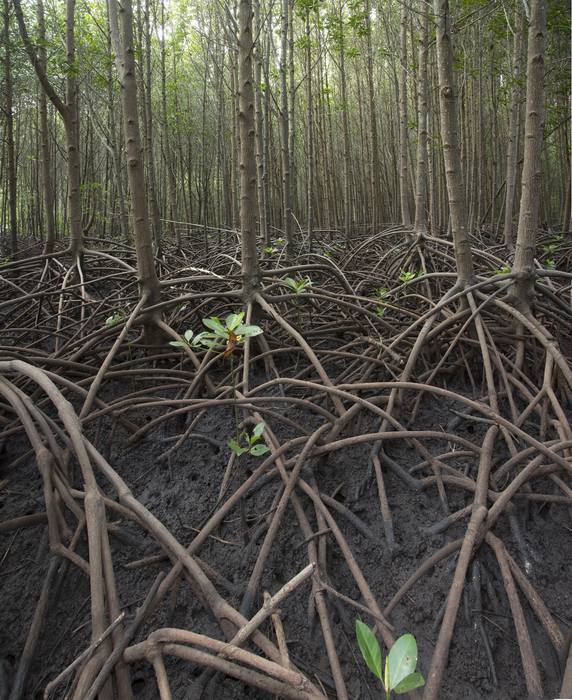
x: 183, y: 493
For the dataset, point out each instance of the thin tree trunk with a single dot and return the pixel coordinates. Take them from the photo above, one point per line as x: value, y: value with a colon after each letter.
x: 512, y: 165
x: 149, y: 150
x: 166, y: 139
x: 259, y: 130
x: 125, y: 63
x: 250, y: 268
x: 116, y: 155
x: 374, y: 164
x: 521, y: 295
x: 451, y: 154
x: 284, y: 116
x: 68, y: 114
x: 421, y: 194
x: 310, y: 144
x: 10, y: 132
x: 403, y: 179
x: 346, y: 136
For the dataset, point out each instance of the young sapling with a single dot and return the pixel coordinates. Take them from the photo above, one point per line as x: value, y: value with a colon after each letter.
x: 399, y: 675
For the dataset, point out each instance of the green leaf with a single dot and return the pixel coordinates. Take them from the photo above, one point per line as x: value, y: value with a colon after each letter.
x: 259, y: 429
x: 212, y: 344
x: 178, y: 344
x: 188, y: 335
x: 402, y: 659
x: 233, y: 444
x: 215, y: 325
x: 248, y: 331
x: 234, y: 320
x: 410, y: 682
x: 258, y: 450
x: 369, y: 648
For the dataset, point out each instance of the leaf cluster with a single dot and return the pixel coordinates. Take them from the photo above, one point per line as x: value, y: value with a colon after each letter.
x: 400, y: 663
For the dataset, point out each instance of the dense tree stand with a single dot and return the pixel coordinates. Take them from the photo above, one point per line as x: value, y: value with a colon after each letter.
x: 418, y: 475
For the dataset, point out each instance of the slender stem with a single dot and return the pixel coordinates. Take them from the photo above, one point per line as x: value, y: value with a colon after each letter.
x: 234, y: 399
x: 242, y: 507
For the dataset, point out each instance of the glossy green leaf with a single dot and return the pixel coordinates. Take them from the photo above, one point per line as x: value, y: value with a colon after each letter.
x: 402, y: 659
x: 369, y: 648
x: 258, y: 450
x: 233, y: 444
x: 410, y: 682
x: 248, y: 331
x: 178, y: 343
x: 188, y: 335
x: 215, y: 325
x: 259, y: 429
x: 290, y: 283
x: 234, y: 320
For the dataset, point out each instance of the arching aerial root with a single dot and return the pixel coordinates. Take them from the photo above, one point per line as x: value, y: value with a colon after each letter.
x: 348, y: 394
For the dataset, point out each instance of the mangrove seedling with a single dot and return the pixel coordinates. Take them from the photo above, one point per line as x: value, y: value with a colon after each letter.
x: 399, y: 675
x: 297, y: 287
x: 224, y: 339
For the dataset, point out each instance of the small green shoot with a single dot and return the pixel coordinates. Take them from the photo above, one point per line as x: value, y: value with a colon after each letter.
x: 188, y: 341
x: 380, y: 294
x: 551, y: 264
x: 552, y: 248
x: 271, y: 249
x: 408, y: 276
x: 400, y: 663
x: 224, y: 338
x: 251, y: 448
x: 504, y: 271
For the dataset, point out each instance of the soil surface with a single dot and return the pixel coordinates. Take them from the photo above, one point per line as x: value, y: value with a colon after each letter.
x: 182, y: 495
x: 182, y: 490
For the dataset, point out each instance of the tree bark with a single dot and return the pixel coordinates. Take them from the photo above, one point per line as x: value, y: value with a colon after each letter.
x: 512, y: 164
x: 10, y: 133
x: 47, y: 190
x: 124, y: 51
x: 421, y: 194
x: 285, y: 133
x: 522, y: 292
x: 404, y: 182
x: 451, y: 155
x: 68, y: 114
x: 166, y: 140
x: 250, y: 268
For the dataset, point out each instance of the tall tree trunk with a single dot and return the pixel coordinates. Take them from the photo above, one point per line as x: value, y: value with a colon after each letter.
x: 259, y: 129
x: 285, y: 133
x: 512, y: 164
x: 310, y: 144
x: 10, y: 132
x: 374, y: 164
x: 346, y: 135
x: 266, y: 138
x: 166, y: 139
x: 124, y: 51
x: 149, y: 148
x: 67, y: 112
x: 521, y: 294
x: 234, y: 190
x: 403, y: 179
x: 451, y: 154
x: 250, y: 268
x: 421, y: 194
x: 116, y: 154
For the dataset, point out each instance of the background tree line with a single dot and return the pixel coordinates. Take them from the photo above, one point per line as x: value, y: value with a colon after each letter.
x: 347, y: 118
